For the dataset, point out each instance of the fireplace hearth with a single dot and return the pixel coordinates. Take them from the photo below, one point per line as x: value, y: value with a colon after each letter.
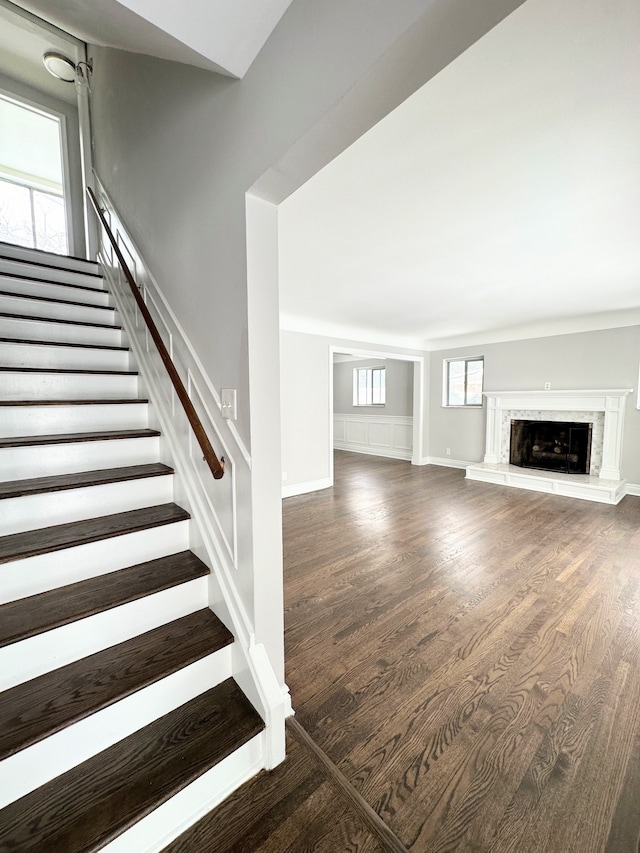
x: 560, y: 446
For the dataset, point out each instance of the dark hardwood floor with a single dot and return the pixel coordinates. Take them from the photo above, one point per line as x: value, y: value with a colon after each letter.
x: 468, y: 656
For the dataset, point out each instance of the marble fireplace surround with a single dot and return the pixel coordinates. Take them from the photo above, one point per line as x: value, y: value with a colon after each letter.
x: 604, y: 408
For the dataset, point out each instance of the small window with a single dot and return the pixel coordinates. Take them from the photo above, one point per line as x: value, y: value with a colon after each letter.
x: 368, y: 386
x: 463, y: 381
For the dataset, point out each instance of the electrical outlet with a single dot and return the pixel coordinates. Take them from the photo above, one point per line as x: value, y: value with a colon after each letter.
x: 284, y: 476
x: 547, y: 386
x: 448, y: 451
x: 228, y: 403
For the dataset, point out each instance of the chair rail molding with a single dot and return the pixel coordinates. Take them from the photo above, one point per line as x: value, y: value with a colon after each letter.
x: 375, y: 434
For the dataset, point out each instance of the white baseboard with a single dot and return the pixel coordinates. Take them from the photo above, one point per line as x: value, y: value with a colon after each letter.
x: 286, y: 701
x: 446, y: 462
x: 303, y: 488
x: 387, y: 452
x: 633, y: 489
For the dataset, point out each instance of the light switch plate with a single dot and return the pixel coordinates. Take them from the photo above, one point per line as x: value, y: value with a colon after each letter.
x: 228, y: 403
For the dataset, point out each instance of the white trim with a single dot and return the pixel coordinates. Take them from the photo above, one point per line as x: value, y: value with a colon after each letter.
x: 286, y: 702
x: 446, y: 462
x: 633, y: 489
x: 367, y: 450
x: 304, y: 488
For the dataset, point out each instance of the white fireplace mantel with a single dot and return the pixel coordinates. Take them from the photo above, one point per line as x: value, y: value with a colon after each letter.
x: 610, y: 401
x: 607, y: 487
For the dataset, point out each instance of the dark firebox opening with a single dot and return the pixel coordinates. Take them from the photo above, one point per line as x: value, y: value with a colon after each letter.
x: 551, y: 446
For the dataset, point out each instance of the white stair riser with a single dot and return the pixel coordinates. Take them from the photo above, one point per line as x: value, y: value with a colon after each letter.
x: 50, y: 420
x: 38, y: 764
x: 18, y: 463
x: 154, y: 832
x: 33, y: 256
x: 14, y: 354
x: 13, y: 267
x: 42, y: 330
x: 67, y: 386
x: 29, y: 287
x: 30, y: 658
x: 33, y: 512
x: 25, y: 305
x: 32, y: 575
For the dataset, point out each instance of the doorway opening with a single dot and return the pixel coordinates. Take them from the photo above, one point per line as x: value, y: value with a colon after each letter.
x: 397, y: 436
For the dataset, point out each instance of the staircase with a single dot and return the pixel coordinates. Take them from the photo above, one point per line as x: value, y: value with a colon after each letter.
x: 120, y: 722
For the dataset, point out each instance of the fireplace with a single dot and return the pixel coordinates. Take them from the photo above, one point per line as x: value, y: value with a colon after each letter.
x: 560, y: 446
x: 599, y: 413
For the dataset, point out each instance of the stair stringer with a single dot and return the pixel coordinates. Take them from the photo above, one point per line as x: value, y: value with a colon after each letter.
x: 220, y: 538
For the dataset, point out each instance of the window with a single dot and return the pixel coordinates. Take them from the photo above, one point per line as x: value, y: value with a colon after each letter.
x: 32, y: 205
x: 31, y: 217
x: 368, y: 386
x: 463, y: 381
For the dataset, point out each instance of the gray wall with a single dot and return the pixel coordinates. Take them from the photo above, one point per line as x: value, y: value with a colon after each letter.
x: 305, y: 365
x: 588, y: 360
x: 177, y: 147
x: 73, y: 146
x: 399, y: 388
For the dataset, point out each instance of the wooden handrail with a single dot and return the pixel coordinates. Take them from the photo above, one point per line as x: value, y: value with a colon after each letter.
x: 216, y: 465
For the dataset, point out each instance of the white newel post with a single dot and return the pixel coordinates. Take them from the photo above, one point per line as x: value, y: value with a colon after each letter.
x: 492, y: 448
x: 613, y: 425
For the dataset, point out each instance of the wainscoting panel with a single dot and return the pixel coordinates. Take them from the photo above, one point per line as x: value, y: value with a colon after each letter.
x: 377, y: 435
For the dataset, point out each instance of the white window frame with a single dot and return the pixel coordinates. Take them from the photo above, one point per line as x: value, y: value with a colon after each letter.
x: 369, y: 386
x: 61, y: 119
x: 445, y: 382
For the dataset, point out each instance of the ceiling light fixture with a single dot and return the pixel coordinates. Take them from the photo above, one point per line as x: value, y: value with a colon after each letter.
x: 60, y: 66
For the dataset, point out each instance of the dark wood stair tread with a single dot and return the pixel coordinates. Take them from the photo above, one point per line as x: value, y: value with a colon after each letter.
x: 39, y: 343
x: 49, y: 281
x: 39, y: 708
x: 87, y: 807
x: 73, y: 437
x: 19, y: 546
x: 66, y: 370
x: 103, y: 401
x: 57, y: 301
x: 43, y: 263
x: 62, y: 482
x: 48, y: 610
x: 4, y: 315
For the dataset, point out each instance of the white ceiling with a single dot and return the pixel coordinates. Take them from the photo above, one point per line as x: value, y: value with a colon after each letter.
x: 500, y: 201
x: 221, y: 35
